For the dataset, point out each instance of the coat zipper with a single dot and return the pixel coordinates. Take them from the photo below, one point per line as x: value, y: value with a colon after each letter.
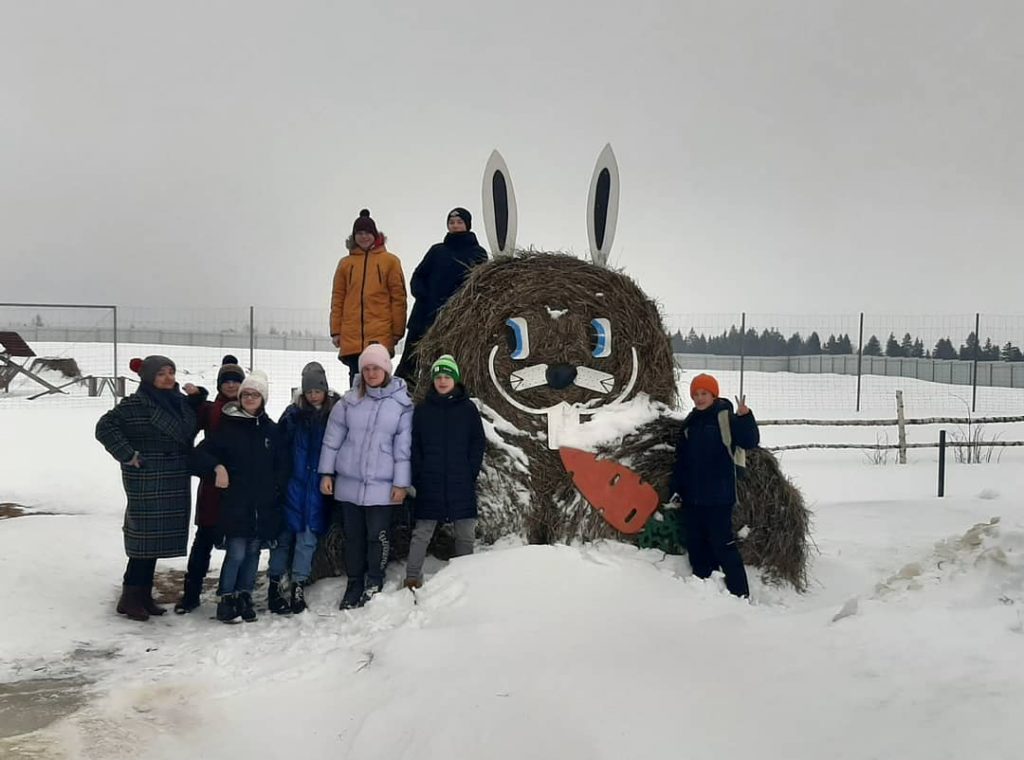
x: 362, y: 303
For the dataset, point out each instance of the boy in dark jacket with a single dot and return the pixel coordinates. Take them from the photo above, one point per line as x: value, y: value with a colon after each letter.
x: 250, y: 462
x: 704, y: 479
x: 306, y: 510
x: 447, y: 454
x: 208, y: 532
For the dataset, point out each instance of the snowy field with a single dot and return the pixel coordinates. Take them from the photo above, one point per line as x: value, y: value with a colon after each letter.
x: 909, y: 643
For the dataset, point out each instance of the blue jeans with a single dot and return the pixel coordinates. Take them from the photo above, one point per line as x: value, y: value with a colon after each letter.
x: 241, y: 560
x: 302, y: 560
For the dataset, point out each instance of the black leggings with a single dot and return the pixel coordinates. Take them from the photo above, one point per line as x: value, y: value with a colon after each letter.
x: 139, y: 572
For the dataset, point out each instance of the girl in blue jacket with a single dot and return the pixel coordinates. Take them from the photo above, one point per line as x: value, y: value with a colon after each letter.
x: 306, y: 510
x: 704, y: 479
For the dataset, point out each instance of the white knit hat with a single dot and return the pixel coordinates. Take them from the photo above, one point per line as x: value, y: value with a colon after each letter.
x: 256, y: 381
x: 377, y: 356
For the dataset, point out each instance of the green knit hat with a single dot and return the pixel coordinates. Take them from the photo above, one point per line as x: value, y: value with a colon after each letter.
x: 446, y: 365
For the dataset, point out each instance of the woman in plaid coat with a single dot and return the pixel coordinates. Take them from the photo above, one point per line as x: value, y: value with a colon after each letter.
x: 151, y: 433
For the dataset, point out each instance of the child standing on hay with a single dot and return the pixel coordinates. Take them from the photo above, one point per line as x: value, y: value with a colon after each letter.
x: 306, y: 510
x: 447, y: 454
x: 704, y: 479
x: 365, y: 465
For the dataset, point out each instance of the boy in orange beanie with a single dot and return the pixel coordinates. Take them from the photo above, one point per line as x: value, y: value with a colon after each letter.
x: 704, y: 479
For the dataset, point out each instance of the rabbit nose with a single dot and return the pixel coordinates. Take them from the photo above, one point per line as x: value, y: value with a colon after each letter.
x: 560, y: 375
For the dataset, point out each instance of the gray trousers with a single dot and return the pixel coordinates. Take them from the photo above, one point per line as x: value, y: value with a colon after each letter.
x: 465, y: 536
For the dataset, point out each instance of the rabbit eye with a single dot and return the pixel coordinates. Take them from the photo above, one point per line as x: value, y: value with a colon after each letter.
x: 600, y: 337
x: 517, y: 334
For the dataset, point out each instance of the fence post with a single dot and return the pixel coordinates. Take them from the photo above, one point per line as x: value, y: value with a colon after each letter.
x: 901, y: 422
x: 942, y: 463
x: 977, y: 350
x: 116, y: 386
x: 860, y: 356
x: 252, y: 338
x: 743, y: 347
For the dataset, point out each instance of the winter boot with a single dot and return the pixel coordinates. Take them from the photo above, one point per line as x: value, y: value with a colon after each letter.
x: 276, y: 603
x: 132, y: 602
x: 353, y: 593
x: 371, y: 591
x: 413, y: 583
x: 245, y: 608
x: 150, y: 604
x: 189, y: 598
x: 298, y: 597
x: 227, y: 609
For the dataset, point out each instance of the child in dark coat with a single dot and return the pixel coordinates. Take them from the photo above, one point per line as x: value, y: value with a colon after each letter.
x: 447, y: 454
x: 208, y: 533
x: 250, y: 461
x: 704, y: 479
x: 306, y: 510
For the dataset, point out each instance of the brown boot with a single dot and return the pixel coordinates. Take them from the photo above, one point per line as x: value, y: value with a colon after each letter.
x: 413, y: 583
x: 150, y: 604
x: 132, y: 602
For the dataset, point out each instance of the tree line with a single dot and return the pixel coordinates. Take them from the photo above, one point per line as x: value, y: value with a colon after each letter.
x: 771, y: 342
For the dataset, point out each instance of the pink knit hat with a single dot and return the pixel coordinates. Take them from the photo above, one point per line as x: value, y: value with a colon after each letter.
x: 375, y: 355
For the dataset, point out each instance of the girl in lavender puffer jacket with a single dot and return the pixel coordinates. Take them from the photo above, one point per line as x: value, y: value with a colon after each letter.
x: 365, y: 465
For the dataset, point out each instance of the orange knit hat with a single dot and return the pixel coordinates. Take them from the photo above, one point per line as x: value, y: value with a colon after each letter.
x: 704, y: 382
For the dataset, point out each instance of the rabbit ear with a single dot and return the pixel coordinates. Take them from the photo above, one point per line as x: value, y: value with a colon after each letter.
x: 499, y: 207
x: 603, y: 206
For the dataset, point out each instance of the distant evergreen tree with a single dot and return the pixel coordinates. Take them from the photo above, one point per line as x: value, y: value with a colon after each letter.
x: 1011, y: 353
x: 844, y: 345
x: 944, y: 349
x: 795, y: 345
x: 907, y: 345
x: 917, y: 350
x: 892, y: 348
x: 812, y: 347
x: 831, y: 345
x: 873, y: 347
x: 678, y: 342
x: 773, y: 343
x: 989, y: 352
x: 967, y: 350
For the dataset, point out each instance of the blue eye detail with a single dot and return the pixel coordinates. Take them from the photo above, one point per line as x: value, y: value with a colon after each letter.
x: 600, y: 337
x: 518, y: 336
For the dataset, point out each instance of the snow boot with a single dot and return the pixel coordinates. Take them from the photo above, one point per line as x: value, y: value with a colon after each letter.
x: 189, y: 597
x: 245, y: 608
x: 298, y: 597
x: 413, y: 583
x: 371, y: 591
x: 353, y: 595
x: 132, y: 602
x: 227, y: 609
x: 276, y: 603
x: 150, y: 604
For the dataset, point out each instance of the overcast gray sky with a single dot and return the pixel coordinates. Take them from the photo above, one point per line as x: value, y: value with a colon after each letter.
x: 775, y: 156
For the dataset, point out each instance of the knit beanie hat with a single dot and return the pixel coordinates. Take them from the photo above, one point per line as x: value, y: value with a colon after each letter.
x: 445, y: 365
x: 365, y: 224
x: 314, y: 378
x: 152, y: 365
x: 229, y: 371
x: 704, y: 382
x: 375, y: 355
x: 256, y: 381
x: 463, y: 215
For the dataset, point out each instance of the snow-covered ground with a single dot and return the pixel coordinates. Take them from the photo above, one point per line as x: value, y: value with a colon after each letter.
x: 909, y: 643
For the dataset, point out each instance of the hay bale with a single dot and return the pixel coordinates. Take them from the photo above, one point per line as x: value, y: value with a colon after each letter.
x: 769, y: 505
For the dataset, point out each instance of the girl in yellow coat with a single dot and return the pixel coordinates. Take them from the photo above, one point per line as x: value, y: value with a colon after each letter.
x: 368, y: 301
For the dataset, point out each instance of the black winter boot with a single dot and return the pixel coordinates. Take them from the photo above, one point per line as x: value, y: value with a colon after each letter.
x: 245, y: 608
x: 298, y: 597
x: 227, y: 609
x: 132, y: 603
x: 150, y: 604
x: 189, y: 598
x: 371, y: 591
x: 353, y: 593
x: 275, y: 602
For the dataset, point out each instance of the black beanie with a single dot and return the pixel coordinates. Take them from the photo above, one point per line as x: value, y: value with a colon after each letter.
x: 365, y: 224
x: 463, y: 214
x: 229, y: 370
x: 151, y: 367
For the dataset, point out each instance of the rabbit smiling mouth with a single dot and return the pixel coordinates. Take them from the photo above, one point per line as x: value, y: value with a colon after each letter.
x: 562, y: 415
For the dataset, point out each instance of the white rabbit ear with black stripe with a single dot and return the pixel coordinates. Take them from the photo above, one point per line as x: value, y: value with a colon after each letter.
x: 603, y: 206
x: 500, y: 213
